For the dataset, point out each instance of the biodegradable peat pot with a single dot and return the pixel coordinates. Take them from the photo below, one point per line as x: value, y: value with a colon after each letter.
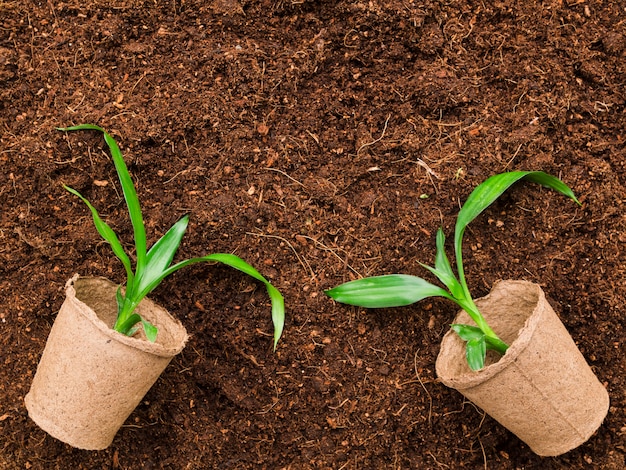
x: 90, y: 377
x: 542, y: 389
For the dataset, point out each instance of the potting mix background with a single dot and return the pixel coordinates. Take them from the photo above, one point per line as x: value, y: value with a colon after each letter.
x: 320, y: 141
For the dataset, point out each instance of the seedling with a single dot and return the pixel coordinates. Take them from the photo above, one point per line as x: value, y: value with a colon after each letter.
x: 154, y: 265
x: 397, y: 290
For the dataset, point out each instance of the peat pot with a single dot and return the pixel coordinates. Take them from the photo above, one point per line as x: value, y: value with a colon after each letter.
x: 542, y: 389
x: 90, y: 377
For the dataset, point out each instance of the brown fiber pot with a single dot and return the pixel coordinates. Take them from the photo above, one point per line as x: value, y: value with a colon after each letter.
x: 542, y: 389
x: 90, y: 377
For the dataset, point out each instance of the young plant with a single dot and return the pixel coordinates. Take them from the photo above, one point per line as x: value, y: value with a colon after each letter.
x: 397, y: 290
x: 155, y: 264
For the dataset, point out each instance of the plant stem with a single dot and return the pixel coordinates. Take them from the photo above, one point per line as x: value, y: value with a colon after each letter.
x: 493, y: 340
x: 125, y: 326
x: 122, y: 324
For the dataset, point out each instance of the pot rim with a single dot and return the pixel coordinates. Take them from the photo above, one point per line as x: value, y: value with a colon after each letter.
x: 167, y: 322
x: 469, y: 379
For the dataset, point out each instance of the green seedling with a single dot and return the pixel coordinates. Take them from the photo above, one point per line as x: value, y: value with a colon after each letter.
x: 154, y: 265
x: 397, y: 290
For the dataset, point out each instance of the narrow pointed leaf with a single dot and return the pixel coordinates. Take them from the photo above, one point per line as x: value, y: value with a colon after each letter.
x: 150, y: 330
x: 486, y: 193
x: 278, y: 312
x: 551, y: 182
x: 493, y: 187
x: 475, y: 351
x: 447, y: 280
x: 441, y: 259
x: 107, y: 233
x: 161, y: 255
x: 278, y: 302
x: 128, y: 188
x: 442, y: 269
x: 119, y: 299
x: 392, y: 290
x: 467, y: 332
x: 276, y: 298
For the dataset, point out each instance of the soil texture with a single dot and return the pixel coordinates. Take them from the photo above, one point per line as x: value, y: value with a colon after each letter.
x: 321, y: 141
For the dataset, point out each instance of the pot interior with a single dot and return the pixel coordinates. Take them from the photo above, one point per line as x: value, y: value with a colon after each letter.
x: 102, y: 301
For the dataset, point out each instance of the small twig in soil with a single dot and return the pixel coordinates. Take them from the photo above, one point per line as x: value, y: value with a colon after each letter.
x: 306, y: 266
x: 430, y: 398
x: 368, y: 144
x: 345, y: 263
x: 285, y: 174
x: 514, y: 155
x: 442, y: 465
x: 484, y: 455
x: 339, y: 405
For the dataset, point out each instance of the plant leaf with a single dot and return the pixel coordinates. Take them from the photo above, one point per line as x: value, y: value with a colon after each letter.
x: 107, y: 233
x: 475, y: 351
x: 441, y: 259
x: 278, y: 311
x: 443, y: 270
x: 161, y: 255
x: 278, y: 302
x: 493, y: 187
x: 551, y: 182
x: 486, y: 193
x: 128, y: 188
x: 119, y: 299
x: 392, y: 290
x: 445, y: 278
x: 150, y: 330
x: 133, y: 330
x: 496, y: 344
x: 467, y: 332
x: 126, y: 327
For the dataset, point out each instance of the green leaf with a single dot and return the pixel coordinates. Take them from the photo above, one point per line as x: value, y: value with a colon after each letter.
x: 107, y: 233
x: 278, y: 312
x: 486, y: 193
x: 496, y: 344
x: 128, y: 188
x: 443, y: 270
x: 475, y: 351
x: 278, y: 302
x: 493, y: 187
x: 150, y: 330
x: 161, y: 255
x: 154, y: 266
x: 467, y: 332
x: 551, y: 182
x: 441, y: 259
x: 119, y: 299
x: 126, y: 327
x: 133, y: 330
x: 446, y: 279
x: 392, y: 290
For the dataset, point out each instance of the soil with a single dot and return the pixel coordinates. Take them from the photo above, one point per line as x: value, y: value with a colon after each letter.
x: 321, y: 141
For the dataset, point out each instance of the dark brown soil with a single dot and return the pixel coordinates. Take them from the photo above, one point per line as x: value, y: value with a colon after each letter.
x: 321, y: 141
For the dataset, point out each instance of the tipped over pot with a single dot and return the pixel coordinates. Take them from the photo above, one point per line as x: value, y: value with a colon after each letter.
x: 90, y: 377
x: 542, y: 389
